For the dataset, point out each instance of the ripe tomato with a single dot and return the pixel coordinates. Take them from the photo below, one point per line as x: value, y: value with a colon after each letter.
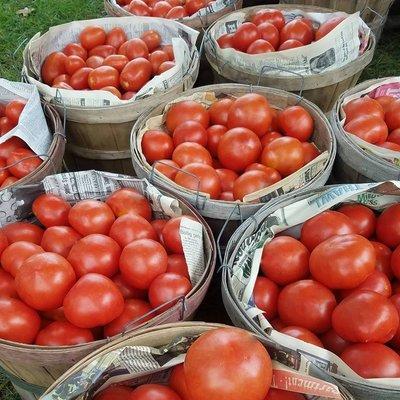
x: 308, y: 304
x: 238, y: 148
x: 165, y: 66
x: 184, y: 111
x: 135, y: 74
x: 51, y: 210
x: 324, y: 225
x: 16, y: 253
x: 177, y: 12
x: 251, y: 111
x: 395, y: 342
x: 227, y: 178
x: 171, y: 235
x: 303, y: 334
x: 93, y: 301
x: 260, y: 46
x: 369, y: 128
x: 270, y: 33
x: 310, y: 152
x: 21, y: 329
x: 177, y: 264
x: 269, y: 137
x: 276, y: 394
x: 157, y: 145
x: 192, y: 6
x: 14, y: 109
x: 251, y: 182
x: 64, y: 78
x: 244, y: 36
x: 284, y: 154
x: 114, y: 392
x: 189, y: 153
x: 177, y: 382
x: 62, y: 333
x: 225, y: 41
x: 385, y: 102
x: 168, y: 168
x: 22, y: 162
x: 79, y: 80
x: 275, y: 17
x: 51, y: 268
x: 5, y: 125
x: 129, y: 201
x: 92, y: 36
x: 158, y: 225
x: 7, y: 285
x: 103, y: 76
x: 136, y: 48
x: 115, y: 37
x: 265, y: 295
x: 361, y: 107
x: 142, y: 261
x: 297, y: 29
x: 103, y: 51
x: 388, y: 226
x: 75, y: 49
x: 157, y: 57
x: 59, y: 239
x: 214, y: 135
x: 23, y: 231
x: 167, y: 287
x: 53, y: 66
x: 296, y: 121
x: 328, y: 26
x: 151, y: 38
x: 153, y: 391
x: 189, y: 131
x: 372, y: 360
x: 94, y: 62
x: 390, y: 146
x: 139, y: 7
x: 9, y: 146
x: 127, y: 291
x: 383, y: 255
x: 333, y: 342
x: 134, y: 309
x: 219, y: 111
x: 395, y: 262
x: 211, y: 367
x: 161, y: 9
x: 117, y: 61
x: 72, y: 64
x: 4, y: 174
x: 8, y: 182
x: 91, y: 216
x: 275, y: 263
x: 290, y: 44
x: 362, y: 217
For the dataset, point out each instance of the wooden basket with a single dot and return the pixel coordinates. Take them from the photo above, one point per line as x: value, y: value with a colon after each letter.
x: 323, y: 89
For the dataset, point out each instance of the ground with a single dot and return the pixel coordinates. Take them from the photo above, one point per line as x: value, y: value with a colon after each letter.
x: 16, y: 29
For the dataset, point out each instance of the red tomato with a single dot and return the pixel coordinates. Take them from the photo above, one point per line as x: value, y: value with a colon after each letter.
x: 115, y: 37
x: 388, y: 226
x: 134, y: 311
x: 362, y: 217
x: 92, y: 36
x: 14, y: 109
x: 260, y: 46
x: 115, y: 392
x: 364, y: 106
x: 211, y: 367
x: 365, y: 316
x: 385, y: 101
x: 372, y: 360
x: 5, y: 125
x: 129, y: 201
x: 59, y: 239
x: 8, y: 182
x: 9, y: 146
x: 275, y: 263
x: 152, y: 392
x: 310, y: 152
x: 303, y: 334
x: 190, y: 131
x: 22, y: 162
x: 151, y: 38
x: 324, y: 225
x: 219, y: 111
x: 244, y: 36
x: 103, y: 76
x: 226, y: 196
x: 383, y: 255
x: 171, y: 235
x: 113, y: 90
x: 276, y: 394
x: 157, y: 145
x: 168, y: 168
x: 161, y: 9
x: 225, y: 41
x: 51, y: 210
x: 3, y: 242
x: 290, y: 44
x: 91, y: 216
x: 4, y: 174
x: 177, y: 12
x: 227, y: 178
x: 128, y: 292
x: 23, y: 231
x: 284, y: 154
x: 21, y: 329
x: 117, y: 61
x: 251, y: 182
x: 157, y: 57
x: 94, y: 62
x: 158, y: 225
x: 165, y: 66
x: 7, y: 285
x: 93, y: 301
x: 395, y: 262
x: 270, y: 33
x: 136, y: 48
x: 265, y: 295
x: 297, y: 122
x: 138, y: 7
x: 328, y: 26
x: 135, y: 74
x: 177, y: 382
x: 184, y: 111
x: 79, y: 80
x: 72, y: 64
x: 269, y: 137
x: 369, y: 128
x: 64, y: 78
x: 395, y: 342
x: 142, y: 261
x: 390, y: 146
x: 275, y: 17
x: 53, y: 66
x: 333, y: 342
x: 308, y: 304
x: 297, y: 30
x: 189, y: 153
x: 192, y: 6
x: 103, y: 51
x: 199, y: 177
x: 75, y: 49
x: 62, y: 333
x: 177, y: 264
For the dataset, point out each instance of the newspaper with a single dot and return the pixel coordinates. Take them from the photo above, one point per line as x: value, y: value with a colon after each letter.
x: 286, y: 185
x: 182, y: 38
x: 246, y: 264
x: 137, y: 365
x: 338, y: 48
x: 388, y: 87
x: 32, y: 126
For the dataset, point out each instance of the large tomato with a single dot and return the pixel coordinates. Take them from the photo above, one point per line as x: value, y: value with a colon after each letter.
x: 161, y: 9
x: 225, y: 41
x: 139, y: 7
x: 177, y: 382
x: 14, y: 109
x: 171, y: 235
x: 190, y: 131
x: 103, y: 51
x: 156, y: 58
x: 51, y: 210
x: 135, y: 74
x: 388, y: 226
x: 369, y: 128
x: 53, y: 66
x: 245, y: 35
x: 211, y: 367
x: 290, y: 44
x: 93, y: 301
x: 177, y: 12
x: 72, y: 64
x: 270, y: 33
x: 310, y: 152
x: 177, y: 264
x: 297, y: 122
x: 385, y: 102
x: 23, y: 231
x: 75, y: 49
x: 362, y: 217
x: 265, y: 295
x: 92, y: 36
x: 117, y: 61
x: 135, y: 48
x: 328, y: 26
x: 227, y: 178
x: 308, y: 304
x: 103, y: 76
x: 115, y: 37
x: 273, y: 16
x: 79, y: 80
x: 151, y: 38
x: 7, y: 284
x: 22, y: 162
x: 59, y: 239
x: 297, y: 30
x: 192, y: 6
x: 168, y: 168
x: 363, y: 106
x: 153, y: 391
x: 10, y: 145
x: 219, y: 111
x: 129, y: 201
x: 189, y: 153
x: 187, y: 110
x: 260, y: 46
x: 301, y: 333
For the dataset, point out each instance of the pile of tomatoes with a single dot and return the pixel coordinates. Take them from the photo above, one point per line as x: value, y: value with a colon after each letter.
x: 338, y: 286
x: 267, y: 31
x: 376, y: 121
x: 108, y: 61
x: 212, y: 371
x: 235, y: 147
x: 171, y: 9
x: 16, y: 159
x: 90, y: 271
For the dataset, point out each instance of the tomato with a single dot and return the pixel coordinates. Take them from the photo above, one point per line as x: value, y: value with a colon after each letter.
x: 328, y: 26
x: 134, y: 311
x: 184, y: 111
x: 151, y: 38
x: 4, y: 174
x: 136, y: 48
x: 244, y: 36
x: 190, y: 131
x: 297, y: 122
x: 135, y: 74
x: 225, y: 41
x: 64, y: 78
x: 103, y: 51
x: 372, y: 360
x: 284, y: 154
x: 302, y: 334
x: 369, y: 128
x: 307, y: 304
x: 91, y: 216
x: 7, y: 147
x: 60, y: 333
x: 23, y: 231
x: 128, y: 95
x: 103, y: 76
x: 385, y: 102
x: 199, y: 177
x: 115, y: 37
x: 297, y: 29
x: 51, y: 210
x: 79, y: 80
x: 270, y: 33
x: 3, y: 242
x: 72, y: 64
x: 214, y: 135
x: 158, y: 225
x: 75, y: 49
x: 265, y: 295
x: 21, y: 329
x: 211, y: 367
x: 269, y: 137
x: 395, y: 262
x: 14, y: 109
x: 362, y: 217
x: 157, y: 57
x: 395, y: 342
x: 53, y: 66
x: 22, y: 162
x: 129, y: 201
x: 177, y: 382
x: 275, y: 17
x: 277, y: 324
x: 290, y: 44
x: 310, y: 152
x: 116, y: 61
x: 153, y: 391
x: 142, y: 261
x: 324, y: 225
x: 7, y: 285
x: 130, y: 227
x: 93, y: 301
x: 59, y: 239
x: 165, y: 66
x: 168, y: 168
x: 177, y: 12
x: 388, y: 226
x: 54, y: 315
x: 8, y: 181
x: 16, y: 253
x: 113, y: 90
x: 177, y: 264
x: 383, y: 255
x: 276, y: 394
x: 5, y: 125
x: 390, y: 146
x: 260, y: 46
x: 189, y: 153
x: 192, y: 6
x: 92, y: 36
x: 171, y: 235
x: 128, y: 292
x: 251, y: 182
x: 219, y: 111
x: 333, y: 342
x: 364, y: 106
x: 161, y: 9
x: 114, y: 392
x: 285, y: 260
x: 94, y: 62
x: 139, y: 7
x: 157, y: 145
x: 227, y: 178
